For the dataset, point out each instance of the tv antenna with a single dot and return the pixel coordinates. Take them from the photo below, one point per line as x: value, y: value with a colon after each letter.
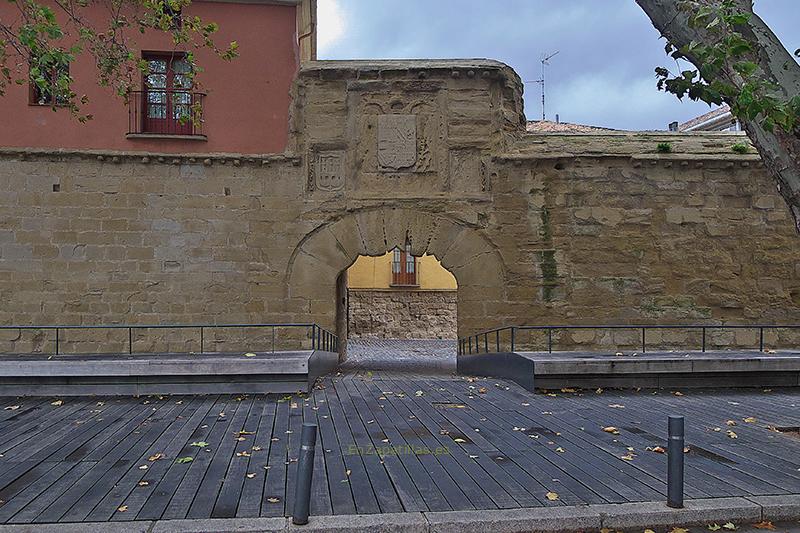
x: 545, y: 61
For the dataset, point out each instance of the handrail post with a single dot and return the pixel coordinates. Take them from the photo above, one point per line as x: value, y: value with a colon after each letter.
x: 313, y: 336
x: 202, y: 340
x: 486, y: 342
x: 273, y: 339
x: 704, y: 339
x: 130, y: 340
x: 513, y: 335
x: 644, y: 347
x: 497, y: 340
x: 549, y: 340
x: 56, y: 341
x: 761, y: 339
x: 470, y: 344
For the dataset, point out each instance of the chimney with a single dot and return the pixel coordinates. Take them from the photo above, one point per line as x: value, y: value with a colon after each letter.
x: 673, y: 126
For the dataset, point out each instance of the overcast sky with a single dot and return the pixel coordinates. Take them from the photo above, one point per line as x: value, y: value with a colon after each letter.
x: 602, y: 75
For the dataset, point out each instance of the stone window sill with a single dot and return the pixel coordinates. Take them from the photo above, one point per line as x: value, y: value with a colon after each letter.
x: 164, y: 136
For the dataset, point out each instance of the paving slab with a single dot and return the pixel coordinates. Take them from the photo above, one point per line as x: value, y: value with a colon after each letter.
x: 785, y: 507
x: 222, y: 525
x: 84, y: 527
x: 374, y: 523
x: 701, y: 511
x: 550, y: 519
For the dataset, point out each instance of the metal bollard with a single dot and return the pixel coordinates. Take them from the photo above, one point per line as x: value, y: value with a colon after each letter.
x: 675, y: 448
x: 305, y: 468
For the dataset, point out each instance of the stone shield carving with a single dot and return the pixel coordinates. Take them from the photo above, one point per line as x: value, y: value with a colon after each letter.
x: 397, y: 141
x: 329, y: 171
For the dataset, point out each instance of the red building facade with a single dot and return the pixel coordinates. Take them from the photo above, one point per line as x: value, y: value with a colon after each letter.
x: 244, y: 103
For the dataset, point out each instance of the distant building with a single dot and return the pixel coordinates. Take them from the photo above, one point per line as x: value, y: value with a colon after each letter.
x: 720, y: 119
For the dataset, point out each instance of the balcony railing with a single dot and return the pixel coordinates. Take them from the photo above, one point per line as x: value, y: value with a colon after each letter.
x: 165, y: 112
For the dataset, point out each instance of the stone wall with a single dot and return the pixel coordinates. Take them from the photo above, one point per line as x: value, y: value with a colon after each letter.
x: 402, y: 314
x: 536, y: 229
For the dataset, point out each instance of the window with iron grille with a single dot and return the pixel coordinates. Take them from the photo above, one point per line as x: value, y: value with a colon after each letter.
x: 404, y: 268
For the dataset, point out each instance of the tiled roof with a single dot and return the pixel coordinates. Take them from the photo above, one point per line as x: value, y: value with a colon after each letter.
x: 714, y: 113
x: 548, y: 126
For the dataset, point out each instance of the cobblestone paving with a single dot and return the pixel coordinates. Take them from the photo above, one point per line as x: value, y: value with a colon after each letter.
x: 422, y: 356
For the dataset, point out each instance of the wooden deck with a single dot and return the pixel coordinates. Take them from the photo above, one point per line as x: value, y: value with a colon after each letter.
x: 492, y: 445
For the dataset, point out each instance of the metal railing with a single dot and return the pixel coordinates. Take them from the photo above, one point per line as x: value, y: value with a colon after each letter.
x: 482, y: 342
x: 321, y: 338
x: 165, y: 112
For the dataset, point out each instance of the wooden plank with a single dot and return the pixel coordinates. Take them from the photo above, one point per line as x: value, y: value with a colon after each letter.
x: 293, y: 449
x: 405, y: 488
x: 174, y: 441
x: 184, y: 495
x: 336, y: 473
x: 163, y: 488
x: 14, y: 504
x: 356, y: 472
x: 253, y: 490
x: 320, y: 495
x: 32, y: 510
x: 236, y: 474
x: 223, y: 457
x: 274, y: 497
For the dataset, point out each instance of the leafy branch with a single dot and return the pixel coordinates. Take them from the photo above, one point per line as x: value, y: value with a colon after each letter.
x: 728, y: 69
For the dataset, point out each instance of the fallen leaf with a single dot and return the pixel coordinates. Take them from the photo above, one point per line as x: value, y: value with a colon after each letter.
x: 201, y: 444
x: 714, y: 527
x: 678, y: 530
x: 242, y: 454
x: 273, y: 499
x: 677, y: 393
x: 628, y: 457
x: 249, y: 354
x: 568, y: 390
x: 143, y: 467
x: 611, y: 429
x: 750, y: 420
x: 143, y: 483
x: 649, y: 531
x: 419, y: 393
x: 256, y: 448
x: 599, y: 391
x: 616, y: 406
x: 348, y: 472
x: 560, y: 450
x: 459, y: 440
x: 730, y: 526
x: 483, y: 390
x: 156, y: 457
x: 656, y: 449
x: 766, y: 524
x: 184, y: 460
x: 731, y: 434
x: 122, y: 508
x: 552, y: 496
x: 251, y: 476
x: 730, y: 422
x: 57, y: 403
x: 12, y: 408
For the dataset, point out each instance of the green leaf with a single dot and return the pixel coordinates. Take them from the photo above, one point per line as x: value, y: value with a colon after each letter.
x: 182, y: 460
x: 201, y: 444
x: 745, y: 68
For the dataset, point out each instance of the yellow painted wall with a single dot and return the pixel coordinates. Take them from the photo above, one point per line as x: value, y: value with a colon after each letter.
x: 376, y: 273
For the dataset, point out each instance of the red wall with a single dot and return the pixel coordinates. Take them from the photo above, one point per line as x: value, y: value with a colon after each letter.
x: 245, y: 110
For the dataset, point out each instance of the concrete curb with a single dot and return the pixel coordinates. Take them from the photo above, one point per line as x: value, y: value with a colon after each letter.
x: 540, y: 519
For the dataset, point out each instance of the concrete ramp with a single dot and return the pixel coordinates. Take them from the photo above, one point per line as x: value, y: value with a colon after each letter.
x: 543, y: 370
x: 171, y: 373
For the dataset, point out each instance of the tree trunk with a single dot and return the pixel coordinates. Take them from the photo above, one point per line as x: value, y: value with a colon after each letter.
x: 779, y: 150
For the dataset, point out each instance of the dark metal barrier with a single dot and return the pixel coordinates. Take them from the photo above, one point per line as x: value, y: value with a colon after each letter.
x: 321, y: 338
x: 481, y: 342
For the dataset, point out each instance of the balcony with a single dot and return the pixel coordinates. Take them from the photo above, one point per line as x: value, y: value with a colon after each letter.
x: 165, y: 113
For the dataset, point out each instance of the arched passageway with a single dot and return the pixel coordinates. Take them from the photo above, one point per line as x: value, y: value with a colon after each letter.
x: 317, y: 289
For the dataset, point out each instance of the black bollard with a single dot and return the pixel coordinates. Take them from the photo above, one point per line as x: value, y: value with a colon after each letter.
x: 305, y: 468
x: 675, y: 448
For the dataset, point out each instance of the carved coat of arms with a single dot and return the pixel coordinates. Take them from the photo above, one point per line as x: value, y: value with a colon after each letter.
x: 397, y: 141
x: 329, y: 171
